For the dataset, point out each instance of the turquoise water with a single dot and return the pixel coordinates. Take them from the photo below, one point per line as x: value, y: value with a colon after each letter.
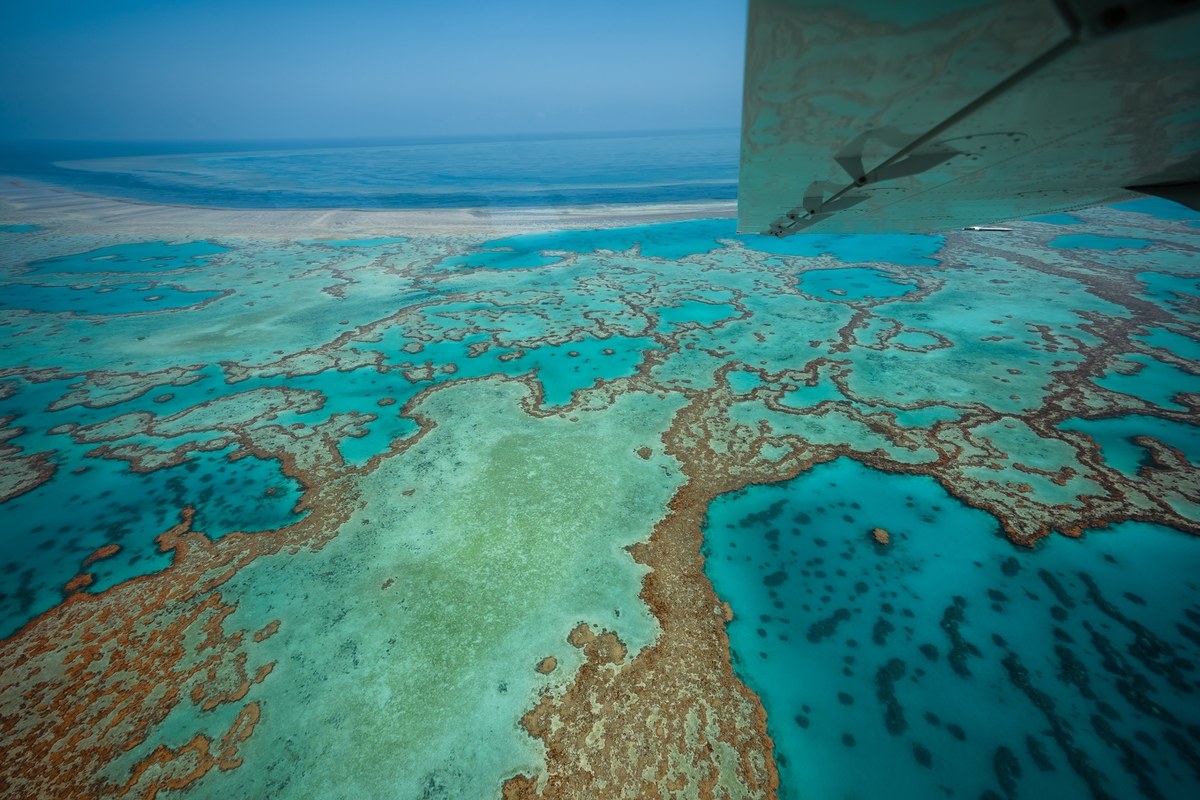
x: 1056, y: 219
x: 807, y: 396
x: 138, y: 257
x: 1115, y: 436
x: 853, y: 284
x: 1158, y: 208
x: 694, y: 314
x: 19, y: 228
x: 501, y: 258
x: 100, y: 300
x: 379, y: 241
x: 1174, y: 289
x: 92, y: 501
x: 128, y: 508
x: 909, y: 250
x: 1155, y: 382
x: 678, y: 240
x: 948, y: 663
x: 1184, y: 346
x: 670, y: 240
x: 742, y: 382
x: 1091, y: 241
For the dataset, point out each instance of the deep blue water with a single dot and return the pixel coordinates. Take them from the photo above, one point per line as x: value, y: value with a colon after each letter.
x: 428, y: 173
x: 950, y: 663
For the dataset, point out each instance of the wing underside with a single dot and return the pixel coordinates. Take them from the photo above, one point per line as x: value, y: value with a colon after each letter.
x: 870, y: 115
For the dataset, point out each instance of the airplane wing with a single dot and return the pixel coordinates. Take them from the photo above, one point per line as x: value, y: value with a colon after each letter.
x: 882, y: 116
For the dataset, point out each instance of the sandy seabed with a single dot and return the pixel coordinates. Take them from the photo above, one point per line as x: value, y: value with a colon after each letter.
x: 45, y: 204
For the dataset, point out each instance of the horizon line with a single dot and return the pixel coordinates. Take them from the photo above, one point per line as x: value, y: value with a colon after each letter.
x: 376, y: 139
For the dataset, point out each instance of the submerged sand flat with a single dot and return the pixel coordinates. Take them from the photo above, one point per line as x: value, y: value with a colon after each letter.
x: 571, y: 503
x: 81, y: 213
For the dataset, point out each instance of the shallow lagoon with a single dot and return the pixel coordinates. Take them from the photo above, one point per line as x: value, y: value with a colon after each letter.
x: 137, y: 257
x: 111, y: 298
x: 853, y: 284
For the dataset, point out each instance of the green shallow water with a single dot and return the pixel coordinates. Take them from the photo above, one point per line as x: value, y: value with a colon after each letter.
x: 407, y: 640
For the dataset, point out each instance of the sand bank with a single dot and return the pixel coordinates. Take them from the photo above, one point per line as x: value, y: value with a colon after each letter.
x: 43, y: 204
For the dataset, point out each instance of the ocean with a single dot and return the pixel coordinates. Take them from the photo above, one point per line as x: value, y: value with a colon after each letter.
x: 507, y: 172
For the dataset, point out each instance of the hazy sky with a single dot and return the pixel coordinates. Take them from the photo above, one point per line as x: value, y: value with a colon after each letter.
x: 171, y: 69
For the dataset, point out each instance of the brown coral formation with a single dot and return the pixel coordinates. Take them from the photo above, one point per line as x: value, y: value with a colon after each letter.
x: 547, y: 665
x: 79, y: 583
x: 178, y: 768
x: 674, y: 718
x: 102, y: 670
x: 101, y: 553
x: 880, y: 536
x: 675, y: 715
x: 267, y: 631
x: 20, y: 473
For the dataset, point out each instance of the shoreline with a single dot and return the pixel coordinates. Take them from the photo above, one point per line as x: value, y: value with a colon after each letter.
x: 52, y: 207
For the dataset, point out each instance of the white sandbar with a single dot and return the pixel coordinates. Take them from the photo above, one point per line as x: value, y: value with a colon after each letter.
x: 52, y: 207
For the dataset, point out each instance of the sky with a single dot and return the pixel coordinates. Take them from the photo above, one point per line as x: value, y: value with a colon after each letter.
x: 271, y: 69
